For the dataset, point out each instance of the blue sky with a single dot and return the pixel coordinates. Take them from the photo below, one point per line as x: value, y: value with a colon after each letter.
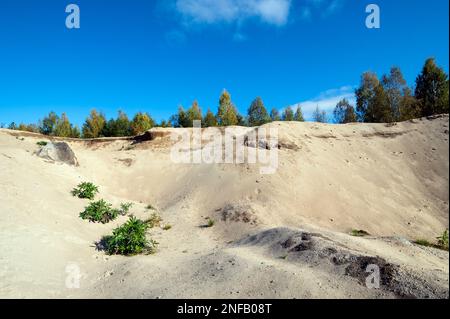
x: 141, y: 55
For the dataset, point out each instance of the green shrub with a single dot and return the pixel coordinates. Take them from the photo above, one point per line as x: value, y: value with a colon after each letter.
x: 150, y: 207
x: 154, y: 220
x: 130, y: 239
x: 443, y: 240
x: 359, y: 233
x: 100, y: 212
x: 85, y: 190
x: 42, y: 143
x: 125, y: 208
x: 167, y: 227
x: 423, y: 242
x: 211, y: 222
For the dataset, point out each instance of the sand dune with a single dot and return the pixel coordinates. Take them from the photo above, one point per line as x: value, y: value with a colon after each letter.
x: 284, y: 235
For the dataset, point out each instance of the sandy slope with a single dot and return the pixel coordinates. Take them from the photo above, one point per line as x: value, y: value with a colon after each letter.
x: 391, y: 181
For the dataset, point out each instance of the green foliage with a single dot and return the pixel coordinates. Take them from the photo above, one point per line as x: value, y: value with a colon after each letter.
x: 167, y: 227
x: 227, y: 114
x: 409, y: 107
x: 299, y: 114
x: 48, y: 124
x: 275, y: 115
x: 141, y: 123
x: 93, y: 127
x: 154, y: 220
x: 209, y: 119
x: 42, y: 143
x: 344, y: 112
x: 130, y: 239
x: 194, y: 114
x: 288, y: 114
x: 150, y: 207
x: 395, y: 87
x: 99, y: 212
x: 210, y: 222
x: 257, y: 113
x: 118, y: 127
x: 442, y: 241
x: 12, y: 126
x: 319, y: 115
x: 359, y: 233
x: 85, y: 190
x: 432, y: 89
x: 28, y: 128
x: 125, y: 208
x: 63, y: 128
x: 423, y: 242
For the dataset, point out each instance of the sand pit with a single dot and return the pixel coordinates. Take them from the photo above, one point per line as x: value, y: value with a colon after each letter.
x: 284, y: 235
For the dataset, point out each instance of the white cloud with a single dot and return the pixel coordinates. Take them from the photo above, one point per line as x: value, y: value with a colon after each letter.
x: 327, y: 101
x: 274, y: 12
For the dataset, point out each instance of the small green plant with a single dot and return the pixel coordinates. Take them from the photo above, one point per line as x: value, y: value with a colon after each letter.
x: 167, y: 227
x: 100, y: 212
x: 442, y: 241
x: 359, y: 233
x: 125, y: 208
x: 150, y: 207
x: 154, y: 220
x: 130, y: 239
x: 211, y: 222
x: 85, y: 190
x: 423, y: 242
x: 42, y: 143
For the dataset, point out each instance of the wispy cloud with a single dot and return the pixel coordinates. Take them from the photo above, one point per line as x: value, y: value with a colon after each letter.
x: 327, y: 100
x: 273, y: 12
x: 323, y: 8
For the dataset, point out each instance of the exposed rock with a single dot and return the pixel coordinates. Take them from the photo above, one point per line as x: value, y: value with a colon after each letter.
x: 58, y: 152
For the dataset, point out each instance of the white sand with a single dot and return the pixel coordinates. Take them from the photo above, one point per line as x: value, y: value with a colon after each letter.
x: 392, y: 182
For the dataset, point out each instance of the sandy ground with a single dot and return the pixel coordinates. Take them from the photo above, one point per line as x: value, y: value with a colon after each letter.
x: 286, y: 235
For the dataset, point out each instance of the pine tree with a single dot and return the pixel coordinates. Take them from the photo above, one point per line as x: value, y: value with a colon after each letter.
x: 257, y: 113
x: 275, y: 115
x: 209, y: 119
x: 48, y: 124
x: 319, y: 115
x: 227, y: 113
x: 409, y: 107
x: 299, y: 115
x: 432, y: 89
x: 141, y: 123
x: 94, y: 125
x: 288, y: 114
x: 193, y: 114
x: 118, y: 127
x: 365, y: 95
x: 63, y: 128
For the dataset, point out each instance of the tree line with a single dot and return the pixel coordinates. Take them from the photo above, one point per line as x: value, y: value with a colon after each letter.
x: 384, y: 100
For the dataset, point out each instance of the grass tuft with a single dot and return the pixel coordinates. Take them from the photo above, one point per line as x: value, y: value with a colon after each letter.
x: 359, y: 233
